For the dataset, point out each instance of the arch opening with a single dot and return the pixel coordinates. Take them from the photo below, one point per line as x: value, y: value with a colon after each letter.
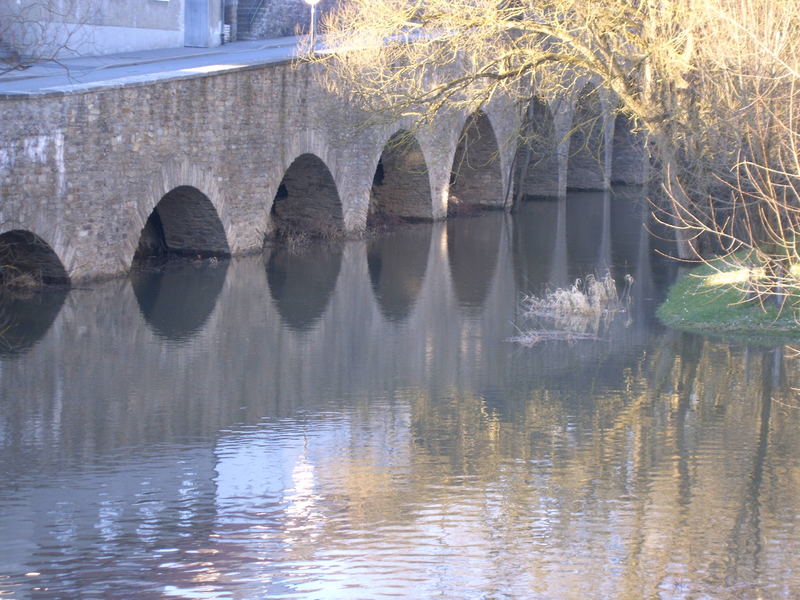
x: 586, y: 148
x: 536, y: 161
x: 628, y: 163
x: 183, y: 223
x: 307, y: 201
x: 475, y: 179
x: 28, y: 262
x: 400, y: 188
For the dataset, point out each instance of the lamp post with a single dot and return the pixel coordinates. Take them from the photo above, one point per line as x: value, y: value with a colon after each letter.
x: 313, y: 5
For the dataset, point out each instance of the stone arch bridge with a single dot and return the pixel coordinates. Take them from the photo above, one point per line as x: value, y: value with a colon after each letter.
x: 210, y: 164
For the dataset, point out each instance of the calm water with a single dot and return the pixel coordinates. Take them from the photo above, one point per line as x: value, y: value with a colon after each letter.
x: 351, y: 422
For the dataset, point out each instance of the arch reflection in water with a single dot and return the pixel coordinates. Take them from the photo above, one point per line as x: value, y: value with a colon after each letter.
x: 301, y: 281
x: 397, y: 263
x: 586, y: 222
x: 534, y: 238
x: 177, y: 299
x: 472, y: 247
x: 25, y: 317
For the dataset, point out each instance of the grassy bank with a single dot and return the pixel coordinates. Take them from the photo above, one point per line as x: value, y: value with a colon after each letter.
x: 703, y: 300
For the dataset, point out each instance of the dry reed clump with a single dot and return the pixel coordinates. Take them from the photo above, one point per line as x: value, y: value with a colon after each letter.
x: 580, y: 312
x: 18, y: 281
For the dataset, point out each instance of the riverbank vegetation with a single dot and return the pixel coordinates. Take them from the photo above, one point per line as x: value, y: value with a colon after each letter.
x: 713, y: 299
x: 712, y: 86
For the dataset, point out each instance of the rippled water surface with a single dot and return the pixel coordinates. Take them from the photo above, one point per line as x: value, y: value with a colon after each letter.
x: 351, y: 421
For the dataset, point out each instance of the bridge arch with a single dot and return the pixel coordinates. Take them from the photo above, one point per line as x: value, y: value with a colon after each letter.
x: 401, y: 185
x: 307, y: 200
x: 191, y: 209
x: 28, y: 261
x: 536, y: 160
x: 628, y: 163
x: 33, y: 286
x: 184, y: 222
x: 585, y: 166
x: 476, y: 179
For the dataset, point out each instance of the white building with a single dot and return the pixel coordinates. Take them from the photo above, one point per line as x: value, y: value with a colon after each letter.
x: 50, y: 28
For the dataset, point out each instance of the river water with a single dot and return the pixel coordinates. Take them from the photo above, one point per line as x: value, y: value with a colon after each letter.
x: 350, y: 421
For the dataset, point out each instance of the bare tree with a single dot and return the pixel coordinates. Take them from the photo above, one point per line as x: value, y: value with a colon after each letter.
x: 42, y: 30
x: 706, y: 80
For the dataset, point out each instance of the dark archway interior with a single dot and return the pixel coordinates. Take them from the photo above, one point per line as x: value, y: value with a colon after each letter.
x: 183, y: 223
x: 536, y: 162
x: 400, y: 188
x: 586, y: 150
x: 307, y: 201
x: 475, y: 179
x: 397, y: 263
x: 628, y: 162
x: 27, y: 261
x: 177, y: 299
x: 302, y: 281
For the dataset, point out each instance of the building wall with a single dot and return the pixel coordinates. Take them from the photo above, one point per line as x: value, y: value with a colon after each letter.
x: 63, y: 28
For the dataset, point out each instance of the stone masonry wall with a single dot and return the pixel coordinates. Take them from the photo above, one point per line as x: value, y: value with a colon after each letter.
x: 85, y: 170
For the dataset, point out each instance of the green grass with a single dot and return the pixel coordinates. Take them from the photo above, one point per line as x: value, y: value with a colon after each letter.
x: 718, y: 310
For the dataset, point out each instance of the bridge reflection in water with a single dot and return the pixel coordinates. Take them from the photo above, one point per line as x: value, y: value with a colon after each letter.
x: 383, y: 434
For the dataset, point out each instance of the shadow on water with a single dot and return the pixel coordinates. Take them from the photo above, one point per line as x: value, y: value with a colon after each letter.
x: 25, y: 317
x: 301, y: 281
x: 397, y: 263
x: 472, y: 247
x: 176, y: 298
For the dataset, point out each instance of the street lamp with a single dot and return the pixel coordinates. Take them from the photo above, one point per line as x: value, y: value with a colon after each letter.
x: 313, y: 5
